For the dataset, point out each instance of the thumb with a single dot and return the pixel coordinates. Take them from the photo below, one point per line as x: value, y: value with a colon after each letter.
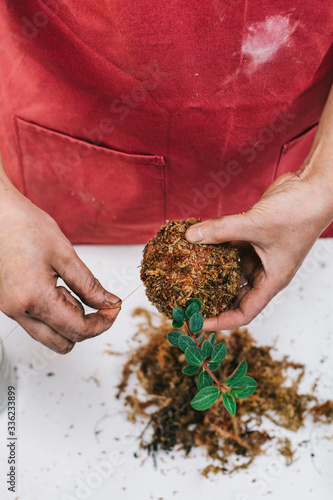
x: 221, y: 229
x: 84, y: 284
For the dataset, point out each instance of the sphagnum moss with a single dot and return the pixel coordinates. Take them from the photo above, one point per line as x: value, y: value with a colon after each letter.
x: 174, y: 270
x: 175, y: 424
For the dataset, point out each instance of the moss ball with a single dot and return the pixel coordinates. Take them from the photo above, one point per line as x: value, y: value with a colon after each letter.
x: 174, y: 270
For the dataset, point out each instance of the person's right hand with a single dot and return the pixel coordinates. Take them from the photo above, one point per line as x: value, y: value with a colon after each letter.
x: 34, y: 253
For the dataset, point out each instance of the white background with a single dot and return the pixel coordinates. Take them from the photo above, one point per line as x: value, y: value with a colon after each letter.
x: 74, y: 441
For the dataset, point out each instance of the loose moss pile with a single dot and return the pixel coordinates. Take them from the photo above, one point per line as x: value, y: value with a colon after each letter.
x: 157, y: 364
x: 174, y: 270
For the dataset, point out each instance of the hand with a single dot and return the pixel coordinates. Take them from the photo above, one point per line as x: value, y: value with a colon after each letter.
x: 273, y: 237
x: 33, y: 255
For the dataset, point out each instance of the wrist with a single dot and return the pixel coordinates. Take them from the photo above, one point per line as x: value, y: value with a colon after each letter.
x: 5, y: 184
x: 8, y: 191
x: 317, y: 174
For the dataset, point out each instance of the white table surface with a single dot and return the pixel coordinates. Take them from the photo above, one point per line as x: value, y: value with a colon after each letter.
x: 74, y: 441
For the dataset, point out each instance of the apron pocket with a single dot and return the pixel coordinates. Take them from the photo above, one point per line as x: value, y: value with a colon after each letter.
x: 96, y: 194
x: 294, y: 152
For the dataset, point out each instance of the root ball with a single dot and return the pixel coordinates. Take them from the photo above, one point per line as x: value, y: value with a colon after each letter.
x: 175, y: 270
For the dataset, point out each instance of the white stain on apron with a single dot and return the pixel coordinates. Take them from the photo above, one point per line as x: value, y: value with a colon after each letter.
x: 264, y: 39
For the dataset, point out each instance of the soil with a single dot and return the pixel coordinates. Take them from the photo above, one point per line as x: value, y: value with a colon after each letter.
x: 157, y: 367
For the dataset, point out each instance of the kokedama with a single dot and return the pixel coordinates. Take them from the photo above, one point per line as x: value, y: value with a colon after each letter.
x: 183, y: 279
x: 174, y: 270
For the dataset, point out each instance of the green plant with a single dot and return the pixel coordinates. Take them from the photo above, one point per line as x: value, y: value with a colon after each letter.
x: 208, y: 356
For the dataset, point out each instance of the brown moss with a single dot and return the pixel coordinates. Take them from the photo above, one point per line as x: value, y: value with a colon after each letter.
x: 174, y: 270
x: 284, y: 447
x: 323, y: 412
x: 158, y: 365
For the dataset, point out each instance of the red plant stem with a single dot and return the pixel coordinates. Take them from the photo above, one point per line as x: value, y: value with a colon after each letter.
x: 221, y: 386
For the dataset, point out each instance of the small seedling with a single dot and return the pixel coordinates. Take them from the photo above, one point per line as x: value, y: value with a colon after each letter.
x: 206, y: 355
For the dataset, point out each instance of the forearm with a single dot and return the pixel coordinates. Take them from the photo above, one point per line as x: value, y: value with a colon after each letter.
x: 9, y: 196
x: 5, y: 183
x: 317, y: 169
x: 322, y: 146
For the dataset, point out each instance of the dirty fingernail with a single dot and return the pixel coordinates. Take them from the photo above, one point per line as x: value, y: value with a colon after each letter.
x: 116, y: 305
x: 112, y: 301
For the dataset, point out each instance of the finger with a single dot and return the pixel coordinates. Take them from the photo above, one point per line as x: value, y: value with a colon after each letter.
x: 222, y: 229
x: 45, y: 335
x: 69, y: 297
x: 68, y: 319
x: 249, y: 307
x: 245, y: 287
x: 81, y: 280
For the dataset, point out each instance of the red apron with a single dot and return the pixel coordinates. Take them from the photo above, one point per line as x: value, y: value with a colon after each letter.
x: 116, y: 115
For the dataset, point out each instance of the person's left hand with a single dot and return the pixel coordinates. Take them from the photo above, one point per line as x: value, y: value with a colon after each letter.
x: 273, y: 237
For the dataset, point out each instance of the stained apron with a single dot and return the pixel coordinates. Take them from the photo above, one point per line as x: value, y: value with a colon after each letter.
x: 116, y: 115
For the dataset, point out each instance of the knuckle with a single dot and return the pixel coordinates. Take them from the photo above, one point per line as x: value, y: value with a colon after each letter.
x: 90, y: 330
x: 217, y: 227
x: 67, y: 254
x: 93, y: 284
x: 75, y: 333
x: 65, y: 348
x: 68, y: 251
x: 52, y: 224
x: 219, y: 322
x: 70, y: 333
x: 247, y: 318
x: 78, y: 336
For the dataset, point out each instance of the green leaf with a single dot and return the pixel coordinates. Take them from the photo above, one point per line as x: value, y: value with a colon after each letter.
x: 184, y: 342
x: 191, y: 370
x: 204, y: 380
x: 205, y: 398
x: 249, y: 386
x: 199, y: 339
x: 178, y: 315
x: 212, y: 338
x: 193, y: 356
x: 214, y: 366
x: 193, y: 301
x: 237, y: 375
x: 192, y: 309
x: 196, y: 323
x: 243, y: 382
x: 219, y: 352
x: 206, y: 348
x: 173, y: 337
x: 229, y: 403
x: 177, y: 324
